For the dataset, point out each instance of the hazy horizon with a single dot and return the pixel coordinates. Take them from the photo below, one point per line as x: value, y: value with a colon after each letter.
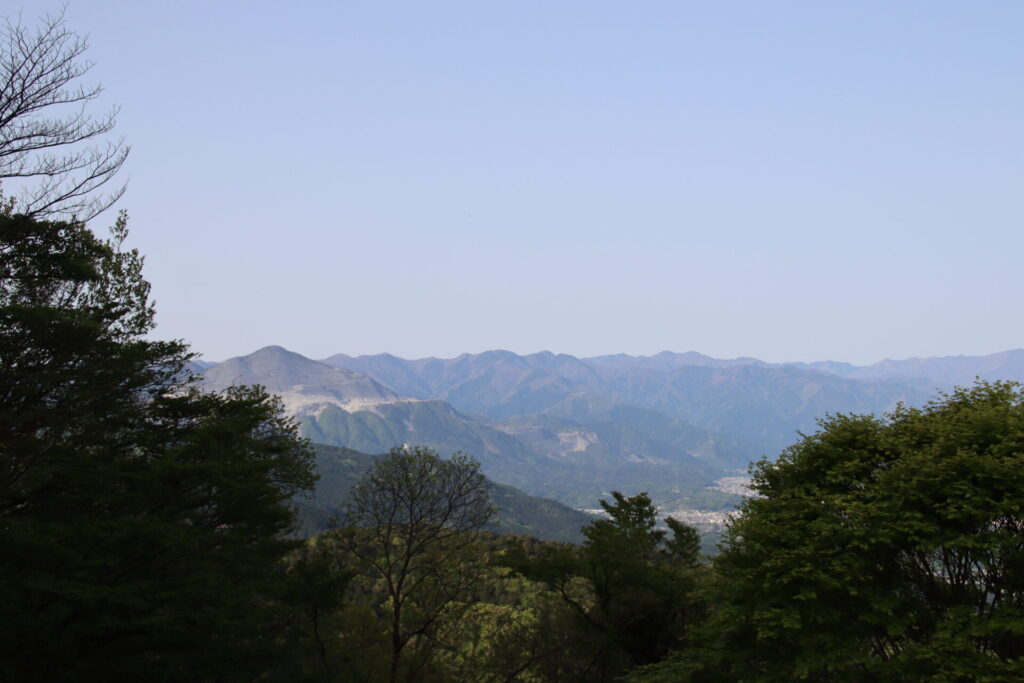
x: 210, y: 359
x: 794, y: 182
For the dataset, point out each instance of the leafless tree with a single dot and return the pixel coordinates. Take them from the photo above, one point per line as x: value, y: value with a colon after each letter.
x: 56, y: 154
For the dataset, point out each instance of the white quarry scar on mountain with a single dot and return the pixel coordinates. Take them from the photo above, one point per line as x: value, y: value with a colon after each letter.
x: 300, y: 404
x: 306, y: 387
x: 575, y: 441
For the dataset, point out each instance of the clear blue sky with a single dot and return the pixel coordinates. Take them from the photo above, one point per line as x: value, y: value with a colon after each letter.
x: 787, y: 180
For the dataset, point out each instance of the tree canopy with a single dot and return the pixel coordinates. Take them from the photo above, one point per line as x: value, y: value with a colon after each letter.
x: 414, y: 520
x: 142, y: 522
x: 629, y: 587
x: 879, y: 549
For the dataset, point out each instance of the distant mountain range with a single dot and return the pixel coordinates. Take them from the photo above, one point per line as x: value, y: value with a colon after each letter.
x: 573, y: 429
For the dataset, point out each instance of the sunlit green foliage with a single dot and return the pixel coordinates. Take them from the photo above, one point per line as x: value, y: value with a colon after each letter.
x: 503, y: 627
x: 629, y: 589
x: 412, y: 529
x: 879, y: 549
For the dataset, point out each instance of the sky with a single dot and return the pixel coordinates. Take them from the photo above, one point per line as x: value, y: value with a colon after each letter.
x: 794, y: 181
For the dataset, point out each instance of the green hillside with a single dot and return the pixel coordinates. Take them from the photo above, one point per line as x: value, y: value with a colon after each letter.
x: 517, y: 512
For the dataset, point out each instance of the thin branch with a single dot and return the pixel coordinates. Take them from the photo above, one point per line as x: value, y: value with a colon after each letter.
x: 38, y: 73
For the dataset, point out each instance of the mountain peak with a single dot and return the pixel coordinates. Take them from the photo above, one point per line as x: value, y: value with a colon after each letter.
x: 292, y: 375
x: 273, y: 350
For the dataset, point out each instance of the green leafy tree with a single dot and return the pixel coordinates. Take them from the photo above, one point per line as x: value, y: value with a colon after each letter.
x: 631, y: 588
x: 142, y: 522
x: 319, y: 583
x: 879, y: 549
x: 641, y: 596
x: 510, y: 629
x: 414, y: 523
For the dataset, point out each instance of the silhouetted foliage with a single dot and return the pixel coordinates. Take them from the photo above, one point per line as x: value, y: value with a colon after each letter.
x: 142, y: 522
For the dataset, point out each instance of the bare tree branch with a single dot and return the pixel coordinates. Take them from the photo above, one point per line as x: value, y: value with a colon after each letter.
x: 47, y: 134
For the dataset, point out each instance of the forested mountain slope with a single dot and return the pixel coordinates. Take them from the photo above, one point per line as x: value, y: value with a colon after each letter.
x: 574, y: 429
x: 755, y: 406
x: 576, y: 462
x: 516, y: 512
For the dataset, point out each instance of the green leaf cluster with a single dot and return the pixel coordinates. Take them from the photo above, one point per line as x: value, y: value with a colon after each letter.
x: 878, y: 549
x: 630, y: 589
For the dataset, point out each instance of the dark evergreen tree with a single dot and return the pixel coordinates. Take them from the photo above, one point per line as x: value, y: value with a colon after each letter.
x: 142, y: 522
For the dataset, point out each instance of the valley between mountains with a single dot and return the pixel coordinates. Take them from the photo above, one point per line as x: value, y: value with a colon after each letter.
x: 681, y: 426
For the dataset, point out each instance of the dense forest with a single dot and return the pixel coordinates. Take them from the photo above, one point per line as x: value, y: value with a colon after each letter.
x: 149, y: 530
